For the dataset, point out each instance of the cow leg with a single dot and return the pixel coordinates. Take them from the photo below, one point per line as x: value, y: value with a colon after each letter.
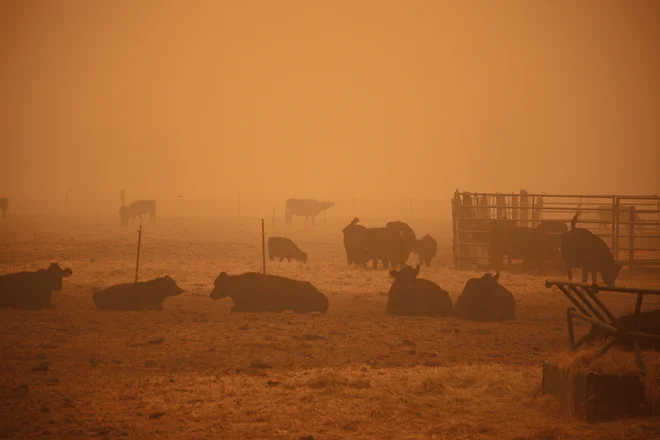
x: 585, y: 275
x: 594, y: 277
x: 525, y: 264
x: 374, y: 263
x: 288, y: 260
x: 281, y: 259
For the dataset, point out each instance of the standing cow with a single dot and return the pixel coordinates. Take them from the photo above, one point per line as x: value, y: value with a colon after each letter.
x: 527, y: 244
x: 282, y: 247
x: 4, y: 206
x: 31, y: 290
x: 426, y: 248
x: 304, y: 208
x: 138, y: 209
x: 582, y: 249
x: 355, y: 243
x: 412, y: 296
x: 144, y: 295
x: 256, y: 292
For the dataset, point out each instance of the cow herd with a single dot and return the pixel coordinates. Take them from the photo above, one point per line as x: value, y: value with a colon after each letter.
x: 481, y: 299
x: 549, y: 243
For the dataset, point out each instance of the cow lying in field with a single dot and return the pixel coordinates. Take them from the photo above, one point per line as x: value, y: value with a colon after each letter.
x: 484, y: 299
x: 256, y: 292
x: 144, y: 295
x: 412, y: 296
x: 31, y: 290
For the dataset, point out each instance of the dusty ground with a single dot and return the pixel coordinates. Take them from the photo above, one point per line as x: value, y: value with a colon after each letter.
x: 195, y: 371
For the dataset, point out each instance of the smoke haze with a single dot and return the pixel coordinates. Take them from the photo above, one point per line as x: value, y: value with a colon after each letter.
x: 382, y: 99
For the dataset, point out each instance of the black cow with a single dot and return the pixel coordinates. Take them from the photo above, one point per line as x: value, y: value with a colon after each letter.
x: 392, y: 244
x: 526, y: 244
x: 144, y: 295
x: 426, y: 248
x: 304, y: 208
x: 406, y: 246
x: 484, y: 299
x: 256, y: 292
x: 138, y: 209
x: 4, y: 206
x: 31, y: 290
x: 582, y: 249
x: 282, y: 247
x: 646, y: 322
x: 412, y: 296
x: 355, y: 243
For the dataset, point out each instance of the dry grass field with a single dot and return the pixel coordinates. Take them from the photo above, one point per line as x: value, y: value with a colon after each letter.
x: 196, y: 371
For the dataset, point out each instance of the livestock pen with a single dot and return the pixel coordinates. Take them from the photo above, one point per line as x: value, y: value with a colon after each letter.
x: 629, y: 224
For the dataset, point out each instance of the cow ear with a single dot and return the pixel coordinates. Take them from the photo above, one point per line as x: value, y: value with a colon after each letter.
x: 497, y: 276
x: 393, y: 273
x: 417, y: 269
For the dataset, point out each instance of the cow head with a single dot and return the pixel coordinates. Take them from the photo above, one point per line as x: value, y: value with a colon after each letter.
x: 326, y: 205
x: 404, y: 281
x: 166, y: 286
x: 220, y: 287
x: 611, y: 273
x: 55, y: 274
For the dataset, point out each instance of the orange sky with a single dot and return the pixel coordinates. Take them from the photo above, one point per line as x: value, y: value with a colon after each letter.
x: 324, y: 99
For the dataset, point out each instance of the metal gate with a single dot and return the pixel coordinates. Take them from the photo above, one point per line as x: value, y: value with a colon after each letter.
x: 630, y: 225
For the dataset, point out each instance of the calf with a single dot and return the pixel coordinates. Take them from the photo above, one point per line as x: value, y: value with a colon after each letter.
x: 412, y: 296
x: 256, y: 292
x: 281, y: 247
x: 582, y: 249
x: 526, y: 244
x: 144, y: 295
x: 31, y: 290
x: 484, y: 299
x: 426, y: 248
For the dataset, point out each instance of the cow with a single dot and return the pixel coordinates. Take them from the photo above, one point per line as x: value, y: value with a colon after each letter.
x: 143, y: 295
x: 412, y: 296
x: 355, y: 243
x: 646, y: 322
x: 484, y: 299
x: 606, y: 215
x: 4, y: 206
x: 256, y: 292
x: 407, y: 241
x: 282, y: 247
x: 554, y: 228
x: 138, y: 209
x: 526, y: 244
x: 482, y: 230
x: 304, y: 208
x: 31, y: 290
x: 426, y: 248
x: 582, y: 249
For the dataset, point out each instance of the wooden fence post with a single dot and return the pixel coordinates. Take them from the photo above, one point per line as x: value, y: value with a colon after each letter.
x: 137, y: 262
x: 263, y: 245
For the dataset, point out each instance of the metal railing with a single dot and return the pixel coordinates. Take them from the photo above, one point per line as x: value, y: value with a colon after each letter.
x: 630, y: 225
x: 591, y: 309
